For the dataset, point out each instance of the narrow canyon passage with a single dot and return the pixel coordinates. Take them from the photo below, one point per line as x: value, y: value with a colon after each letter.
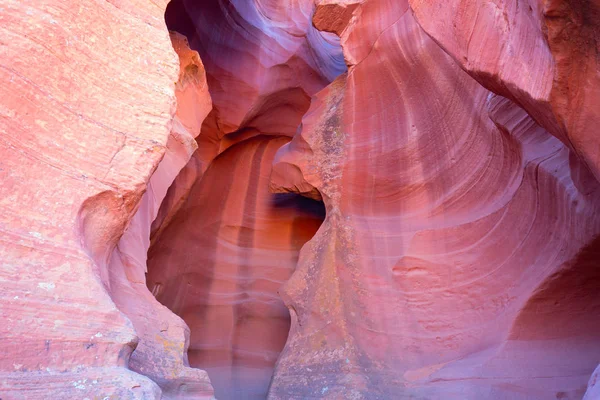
x: 221, y: 261
x: 418, y: 210
x: 223, y: 243
x: 300, y: 199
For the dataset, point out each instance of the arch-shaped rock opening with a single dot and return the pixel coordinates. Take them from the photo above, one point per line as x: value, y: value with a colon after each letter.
x: 223, y: 243
x: 220, y: 262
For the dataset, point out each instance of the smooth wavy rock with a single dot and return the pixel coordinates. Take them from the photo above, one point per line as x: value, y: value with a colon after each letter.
x: 542, y: 54
x: 264, y: 59
x: 161, y: 353
x: 157, y: 239
x: 86, y: 109
x: 221, y: 261
x: 263, y: 62
x: 457, y: 259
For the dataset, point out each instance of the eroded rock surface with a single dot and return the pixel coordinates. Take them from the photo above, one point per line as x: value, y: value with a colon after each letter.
x: 221, y: 261
x: 222, y: 243
x: 264, y: 60
x: 86, y: 110
x: 542, y: 54
x: 163, y: 337
x: 453, y: 144
x: 457, y: 244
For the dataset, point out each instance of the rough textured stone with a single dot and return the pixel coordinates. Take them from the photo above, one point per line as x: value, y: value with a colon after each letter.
x: 333, y: 16
x: 98, y: 139
x: 86, y: 112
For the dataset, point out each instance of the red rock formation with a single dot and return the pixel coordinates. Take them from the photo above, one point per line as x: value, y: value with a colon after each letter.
x: 457, y: 161
x: 222, y: 259
x: 542, y: 54
x: 247, y: 244
x: 86, y: 106
x: 456, y: 259
x: 333, y: 16
x: 162, y: 350
x: 262, y: 59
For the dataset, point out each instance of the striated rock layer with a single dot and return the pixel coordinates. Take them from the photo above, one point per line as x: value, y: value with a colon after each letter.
x: 222, y: 243
x: 87, y: 127
x: 453, y: 144
x: 458, y: 256
x: 542, y: 54
x: 162, y: 350
x: 221, y: 261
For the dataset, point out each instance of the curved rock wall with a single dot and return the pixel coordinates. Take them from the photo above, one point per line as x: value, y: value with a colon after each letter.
x: 255, y: 53
x: 453, y: 144
x: 543, y: 54
x: 226, y: 244
x: 86, y: 109
x: 161, y: 353
x: 221, y: 261
x: 456, y: 259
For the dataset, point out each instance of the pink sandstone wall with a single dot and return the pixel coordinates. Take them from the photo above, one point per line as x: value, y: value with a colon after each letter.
x: 337, y: 199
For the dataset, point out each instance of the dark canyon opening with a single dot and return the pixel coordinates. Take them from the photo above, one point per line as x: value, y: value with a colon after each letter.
x: 223, y: 243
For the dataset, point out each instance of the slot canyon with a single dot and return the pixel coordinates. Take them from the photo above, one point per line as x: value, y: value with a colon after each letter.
x: 300, y: 199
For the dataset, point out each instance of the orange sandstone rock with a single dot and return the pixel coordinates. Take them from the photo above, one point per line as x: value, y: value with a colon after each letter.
x: 221, y: 261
